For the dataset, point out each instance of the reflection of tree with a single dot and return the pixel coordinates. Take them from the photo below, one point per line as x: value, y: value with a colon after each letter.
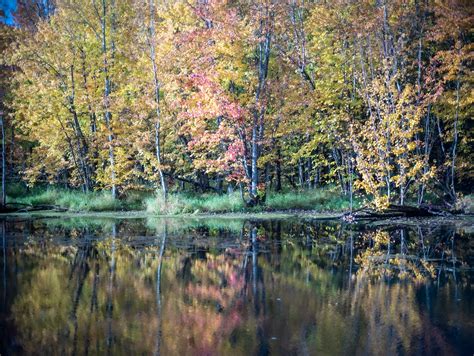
x: 4, y: 260
x: 365, y: 317
x: 208, y: 307
x: 258, y: 291
x: 110, y: 290
x: 98, y: 311
x: 158, y: 289
x: 274, y: 287
x: 407, y: 254
x: 394, y: 321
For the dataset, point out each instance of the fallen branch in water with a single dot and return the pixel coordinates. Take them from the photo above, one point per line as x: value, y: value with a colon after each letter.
x: 396, y: 211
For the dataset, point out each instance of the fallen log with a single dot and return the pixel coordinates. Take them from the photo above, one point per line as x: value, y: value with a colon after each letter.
x: 41, y: 208
x: 397, y: 211
x: 25, y: 208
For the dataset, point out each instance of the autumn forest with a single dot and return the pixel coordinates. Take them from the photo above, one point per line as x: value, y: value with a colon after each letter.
x: 236, y: 177
x: 251, y: 97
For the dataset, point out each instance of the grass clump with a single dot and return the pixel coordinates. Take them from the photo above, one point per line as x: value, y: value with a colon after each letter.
x: 70, y: 199
x: 328, y: 199
x: 188, y: 204
x: 317, y: 200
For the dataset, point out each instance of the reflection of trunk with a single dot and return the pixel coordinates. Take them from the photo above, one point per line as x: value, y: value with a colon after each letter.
x: 4, y: 263
x: 351, y: 258
x: 93, y: 305
x: 158, y: 289
x: 110, y: 305
x: 83, y: 272
x: 4, y: 194
x: 453, y: 259
x: 254, y: 266
x: 258, y: 298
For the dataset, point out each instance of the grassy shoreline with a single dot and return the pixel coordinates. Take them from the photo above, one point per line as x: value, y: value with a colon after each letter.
x: 225, y: 220
x: 327, y: 200
x: 323, y: 202
x: 143, y: 214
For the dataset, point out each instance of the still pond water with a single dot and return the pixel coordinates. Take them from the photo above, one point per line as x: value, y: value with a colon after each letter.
x: 235, y: 287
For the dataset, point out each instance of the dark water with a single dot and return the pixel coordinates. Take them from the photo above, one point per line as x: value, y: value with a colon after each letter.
x: 230, y: 287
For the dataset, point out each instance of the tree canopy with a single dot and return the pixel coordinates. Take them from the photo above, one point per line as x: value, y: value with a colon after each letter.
x: 375, y: 96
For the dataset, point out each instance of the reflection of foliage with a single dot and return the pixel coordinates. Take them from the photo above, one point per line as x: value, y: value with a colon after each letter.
x: 394, y: 318
x: 178, y: 224
x: 80, y: 222
x: 79, y: 292
x: 212, y: 306
x: 398, y: 254
x: 45, y: 305
x: 67, y: 301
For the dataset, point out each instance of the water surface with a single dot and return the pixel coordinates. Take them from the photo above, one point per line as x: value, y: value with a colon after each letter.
x: 235, y: 287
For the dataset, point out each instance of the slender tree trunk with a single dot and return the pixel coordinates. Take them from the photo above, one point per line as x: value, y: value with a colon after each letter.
x: 92, y: 148
x: 300, y: 173
x: 351, y: 182
x: 219, y: 184
x: 254, y: 181
x: 278, y: 171
x: 267, y: 179
x: 107, y: 113
x: 156, y: 84
x: 455, y: 143
x: 309, y: 169
x: 92, y: 116
x: 12, y: 151
x: 263, y: 57
x: 80, y: 140
x: 71, y: 147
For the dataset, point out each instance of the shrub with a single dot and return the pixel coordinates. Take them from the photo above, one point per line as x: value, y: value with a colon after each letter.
x: 466, y: 204
x: 15, y: 190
